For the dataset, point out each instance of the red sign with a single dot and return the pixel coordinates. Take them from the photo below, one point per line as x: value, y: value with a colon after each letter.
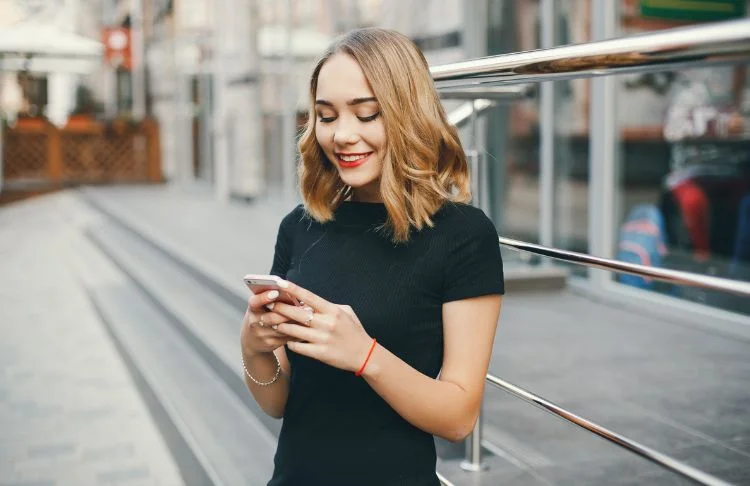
x: 117, y: 50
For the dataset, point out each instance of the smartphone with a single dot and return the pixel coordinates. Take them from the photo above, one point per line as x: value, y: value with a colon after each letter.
x: 262, y: 283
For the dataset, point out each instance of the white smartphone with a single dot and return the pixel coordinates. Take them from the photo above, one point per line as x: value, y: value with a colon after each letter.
x: 262, y: 283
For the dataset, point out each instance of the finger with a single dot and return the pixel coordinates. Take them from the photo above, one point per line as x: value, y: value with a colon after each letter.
x: 271, y: 319
x: 269, y: 333
x: 277, y: 342
x: 256, y: 302
x: 306, y: 349
x: 316, y: 302
x: 301, y: 315
x: 302, y: 333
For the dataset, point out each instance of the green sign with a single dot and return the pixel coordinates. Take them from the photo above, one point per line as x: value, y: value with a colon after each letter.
x: 696, y: 10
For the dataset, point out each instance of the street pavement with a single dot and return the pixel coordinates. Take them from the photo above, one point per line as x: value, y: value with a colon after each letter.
x: 676, y: 384
x: 671, y: 382
x: 69, y: 411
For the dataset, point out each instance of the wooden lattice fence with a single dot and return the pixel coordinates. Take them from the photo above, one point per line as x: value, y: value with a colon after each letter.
x: 42, y: 154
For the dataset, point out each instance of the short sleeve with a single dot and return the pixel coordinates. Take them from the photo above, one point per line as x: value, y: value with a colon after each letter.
x: 473, y: 265
x: 282, y: 255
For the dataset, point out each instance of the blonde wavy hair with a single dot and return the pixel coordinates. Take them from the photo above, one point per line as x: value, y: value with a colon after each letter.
x: 423, y: 161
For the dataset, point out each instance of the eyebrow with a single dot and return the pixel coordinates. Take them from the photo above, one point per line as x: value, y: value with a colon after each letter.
x: 355, y: 101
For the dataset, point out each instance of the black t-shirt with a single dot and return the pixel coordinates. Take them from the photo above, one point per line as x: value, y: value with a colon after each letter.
x: 337, y: 430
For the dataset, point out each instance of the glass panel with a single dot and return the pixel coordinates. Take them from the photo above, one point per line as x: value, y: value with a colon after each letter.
x: 513, y: 157
x: 512, y: 146
x: 684, y: 181
x: 571, y: 149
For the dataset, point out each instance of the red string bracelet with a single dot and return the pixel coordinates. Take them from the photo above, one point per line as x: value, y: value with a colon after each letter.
x: 369, y: 353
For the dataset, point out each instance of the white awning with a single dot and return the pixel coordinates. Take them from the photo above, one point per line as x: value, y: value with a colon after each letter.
x: 45, y: 48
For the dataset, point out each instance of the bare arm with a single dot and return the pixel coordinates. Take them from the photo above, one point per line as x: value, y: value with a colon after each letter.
x: 262, y: 366
x: 449, y: 406
x: 259, y: 344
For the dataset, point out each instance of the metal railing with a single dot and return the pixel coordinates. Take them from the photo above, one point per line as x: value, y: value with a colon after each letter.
x: 661, y: 274
x: 720, y: 42
x: 631, y: 445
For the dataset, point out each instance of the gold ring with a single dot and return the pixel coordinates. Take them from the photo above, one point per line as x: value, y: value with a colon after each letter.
x: 309, y: 318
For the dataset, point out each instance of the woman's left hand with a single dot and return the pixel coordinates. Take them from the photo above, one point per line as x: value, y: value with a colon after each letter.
x: 328, y: 332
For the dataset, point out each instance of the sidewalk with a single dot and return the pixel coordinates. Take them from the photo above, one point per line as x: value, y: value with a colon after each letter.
x: 69, y: 412
x: 667, y: 384
x: 674, y: 387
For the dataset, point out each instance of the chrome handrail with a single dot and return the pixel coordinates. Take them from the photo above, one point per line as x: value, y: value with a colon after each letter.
x: 443, y: 480
x: 718, y: 42
x: 466, y: 111
x: 640, y: 449
x: 661, y: 274
x: 495, y: 93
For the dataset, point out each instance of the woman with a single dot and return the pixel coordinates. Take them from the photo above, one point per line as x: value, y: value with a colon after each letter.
x: 401, y: 281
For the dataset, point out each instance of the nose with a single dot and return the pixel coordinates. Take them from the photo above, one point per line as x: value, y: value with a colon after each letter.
x: 345, y: 134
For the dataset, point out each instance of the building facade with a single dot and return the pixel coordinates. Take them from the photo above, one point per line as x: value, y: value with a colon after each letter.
x: 566, y: 167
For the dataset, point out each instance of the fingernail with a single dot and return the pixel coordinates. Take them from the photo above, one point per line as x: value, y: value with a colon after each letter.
x: 270, y: 306
x: 273, y: 294
x: 283, y: 284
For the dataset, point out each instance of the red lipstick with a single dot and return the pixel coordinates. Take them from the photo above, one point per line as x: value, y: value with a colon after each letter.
x: 350, y: 164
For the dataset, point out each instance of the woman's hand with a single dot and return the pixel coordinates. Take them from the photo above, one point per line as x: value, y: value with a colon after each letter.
x: 328, y: 332
x: 257, y: 334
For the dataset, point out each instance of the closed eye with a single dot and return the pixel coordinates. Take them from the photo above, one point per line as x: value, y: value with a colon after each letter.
x: 365, y: 119
x: 369, y: 118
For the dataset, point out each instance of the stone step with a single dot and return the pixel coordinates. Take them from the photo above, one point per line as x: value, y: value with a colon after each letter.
x: 214, y: 436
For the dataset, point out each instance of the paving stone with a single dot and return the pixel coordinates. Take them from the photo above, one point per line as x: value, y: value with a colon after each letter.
x: 119, y: 476
x: 674, y: 386
x: 69, y: 412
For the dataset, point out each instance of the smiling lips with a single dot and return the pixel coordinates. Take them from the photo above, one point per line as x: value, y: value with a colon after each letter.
x: 349, y: 161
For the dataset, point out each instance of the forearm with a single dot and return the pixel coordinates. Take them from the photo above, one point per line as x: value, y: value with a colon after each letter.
x: 271, y: 398
x: 439, y: 407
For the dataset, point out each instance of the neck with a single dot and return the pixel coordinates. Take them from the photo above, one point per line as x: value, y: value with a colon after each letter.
x: 367, y: 194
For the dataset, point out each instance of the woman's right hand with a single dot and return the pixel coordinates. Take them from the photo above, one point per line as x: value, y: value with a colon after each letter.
x: 257, y: 338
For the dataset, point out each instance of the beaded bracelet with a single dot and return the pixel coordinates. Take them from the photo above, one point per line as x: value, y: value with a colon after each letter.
x: 263, y: 383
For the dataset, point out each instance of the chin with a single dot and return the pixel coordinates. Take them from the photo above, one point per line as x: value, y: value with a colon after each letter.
x: 357, y: 182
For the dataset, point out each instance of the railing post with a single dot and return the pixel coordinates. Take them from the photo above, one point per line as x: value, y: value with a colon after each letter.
x: 472, y: 157
x: 473, y: 459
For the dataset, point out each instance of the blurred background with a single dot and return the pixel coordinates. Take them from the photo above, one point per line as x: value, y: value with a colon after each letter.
x: 148, y: 154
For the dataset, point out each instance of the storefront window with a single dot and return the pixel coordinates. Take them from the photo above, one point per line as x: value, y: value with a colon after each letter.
x: 512, y: 147
x: 571, y: 140
x: 514, y: 155
x: 684, y: 181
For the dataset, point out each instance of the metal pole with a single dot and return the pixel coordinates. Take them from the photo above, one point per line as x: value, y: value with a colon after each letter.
x: 547, y: 135
x: 290, y: 108
x: 473, y: 460
x: 678, y: 277
x: 473, y: 444
x: 693, y: 46
x: 221, y: 167
x: 603, y: 141
x: 474, y: 158
x: 139, y: 78
x: 475, y: 44
x: 652, y: 455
